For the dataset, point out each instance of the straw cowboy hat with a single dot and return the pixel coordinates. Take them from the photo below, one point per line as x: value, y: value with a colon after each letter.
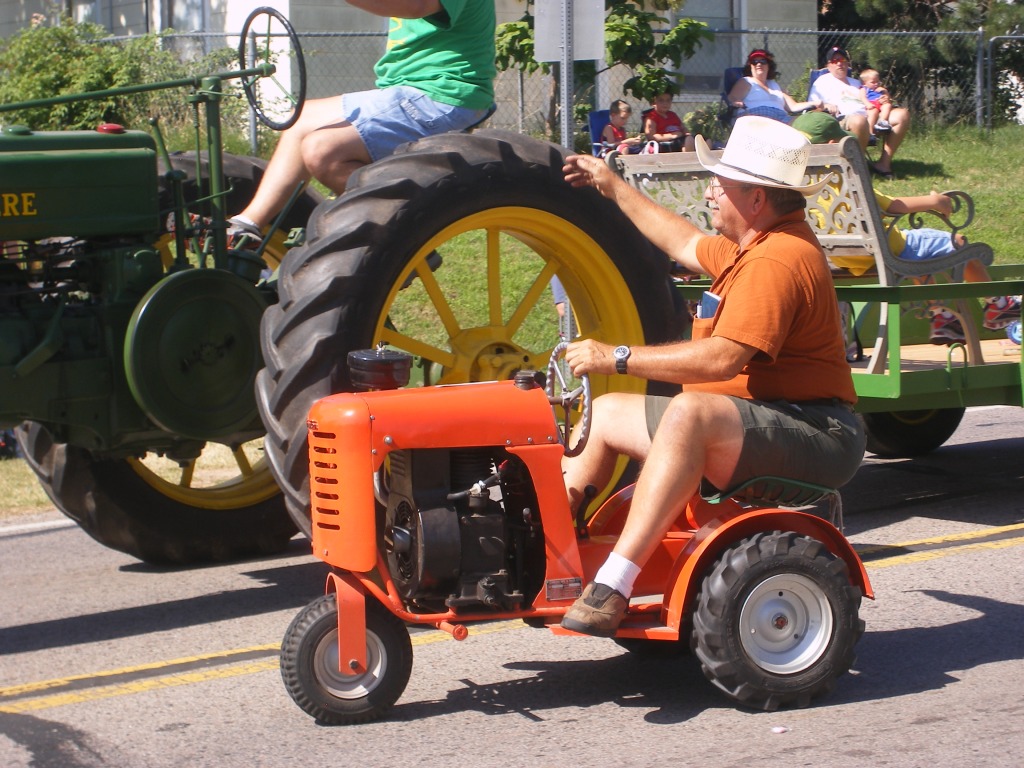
x: 764, y: 152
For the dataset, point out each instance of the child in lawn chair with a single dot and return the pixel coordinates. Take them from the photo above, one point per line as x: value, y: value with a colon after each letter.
x: 663, y: 126
x: 614, y: 134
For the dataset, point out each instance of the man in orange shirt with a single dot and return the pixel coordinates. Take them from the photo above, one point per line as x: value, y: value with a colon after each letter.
x: 766, y: 389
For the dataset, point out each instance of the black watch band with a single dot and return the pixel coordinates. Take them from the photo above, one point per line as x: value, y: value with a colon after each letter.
x: 621, y: 355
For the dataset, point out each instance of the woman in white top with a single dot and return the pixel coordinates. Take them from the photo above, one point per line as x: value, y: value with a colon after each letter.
x: 757, y: 93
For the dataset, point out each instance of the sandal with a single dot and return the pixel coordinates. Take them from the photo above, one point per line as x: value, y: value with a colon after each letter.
x: 884, y: 175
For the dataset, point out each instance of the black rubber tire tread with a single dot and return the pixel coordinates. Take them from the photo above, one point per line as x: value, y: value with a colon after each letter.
x: 312, y: 626
x: 715, y: 636
x: 116, y: 507
x: 901, y: 434
x: 243, y: 175
x: 332, y: 290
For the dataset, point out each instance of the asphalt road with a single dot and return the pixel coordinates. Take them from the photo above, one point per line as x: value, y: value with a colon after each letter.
x: 108, y: 662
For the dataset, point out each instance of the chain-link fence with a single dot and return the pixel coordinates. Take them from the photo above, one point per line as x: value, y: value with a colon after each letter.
x: 938, y: 76
x: 943, y: 78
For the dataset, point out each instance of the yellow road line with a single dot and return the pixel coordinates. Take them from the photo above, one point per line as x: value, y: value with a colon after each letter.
x: 935, y: 554
x: 18, y: 690
x: 182, y: 678
x: 952, y: 537
x: 137, y: 686
x: 426, y: 638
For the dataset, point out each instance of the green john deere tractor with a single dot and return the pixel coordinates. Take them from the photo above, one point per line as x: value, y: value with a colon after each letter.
x: 160, y: 383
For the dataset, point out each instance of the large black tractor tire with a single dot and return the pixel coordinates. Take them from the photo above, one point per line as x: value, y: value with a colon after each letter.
x: 776, y: 621
x: 371, y: 252
x: 122, y: 506
x: 309, y: 664
x: 901, y: 434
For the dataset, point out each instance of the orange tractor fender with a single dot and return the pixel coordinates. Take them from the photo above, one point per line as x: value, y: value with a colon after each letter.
x: 714, y: 537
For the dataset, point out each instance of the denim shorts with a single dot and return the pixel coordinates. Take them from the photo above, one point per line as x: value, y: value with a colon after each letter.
x: 392, y: 116
x: 818, y: 442
x: 924, y: 244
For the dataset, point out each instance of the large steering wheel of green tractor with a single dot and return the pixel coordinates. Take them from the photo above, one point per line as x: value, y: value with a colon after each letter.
x: 263, y: 30
x: 568, y: 400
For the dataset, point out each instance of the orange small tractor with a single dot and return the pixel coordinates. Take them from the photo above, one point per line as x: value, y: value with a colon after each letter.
x: 445, y: 505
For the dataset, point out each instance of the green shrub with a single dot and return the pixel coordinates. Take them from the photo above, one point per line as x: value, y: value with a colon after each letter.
x: 68, y: 58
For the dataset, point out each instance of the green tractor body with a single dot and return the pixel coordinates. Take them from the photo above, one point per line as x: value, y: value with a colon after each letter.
x: 77, y: 183
x: 99, y: 342
x: 130, y: 332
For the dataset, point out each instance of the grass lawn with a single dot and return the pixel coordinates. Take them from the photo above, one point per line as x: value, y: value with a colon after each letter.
x: 988, y: 166
x: 22, y: 492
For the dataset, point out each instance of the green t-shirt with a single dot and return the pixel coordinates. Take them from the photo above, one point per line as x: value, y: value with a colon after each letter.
x: 449, y: 56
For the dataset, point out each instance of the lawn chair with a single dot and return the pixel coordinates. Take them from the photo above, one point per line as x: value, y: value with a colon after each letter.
x: 597, y: 121
x: 727, y: 112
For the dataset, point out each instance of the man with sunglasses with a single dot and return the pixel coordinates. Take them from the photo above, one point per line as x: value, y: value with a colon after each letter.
x: 766, y: 389
x: 843, y: 97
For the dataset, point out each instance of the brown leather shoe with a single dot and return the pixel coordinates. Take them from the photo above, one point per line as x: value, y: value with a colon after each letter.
x: 598, y: 612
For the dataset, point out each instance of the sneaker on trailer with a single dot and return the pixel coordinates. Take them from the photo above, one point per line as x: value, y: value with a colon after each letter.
x: 946, y: 328
x: 1000, y: 311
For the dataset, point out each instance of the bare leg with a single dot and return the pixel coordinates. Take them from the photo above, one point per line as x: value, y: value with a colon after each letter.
x: 899, y: 118
x: 872, y: 119
x: 619, y: 426
x: 334, y: 153
x: 858, y: 126
x: 287, y: 167
x: 975, y: 272
x: 700, y: 435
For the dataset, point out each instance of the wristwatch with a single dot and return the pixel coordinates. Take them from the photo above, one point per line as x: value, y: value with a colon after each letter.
x: 621, y: 354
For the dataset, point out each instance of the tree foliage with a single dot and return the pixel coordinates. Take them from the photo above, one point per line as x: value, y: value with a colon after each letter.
x: 43, y: 61
x: 630, y: 40
x: 916, y: 60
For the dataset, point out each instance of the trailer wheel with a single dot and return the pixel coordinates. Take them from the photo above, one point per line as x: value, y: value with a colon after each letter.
x: 776, y: 621
x: 309, y: 664
x: 910, y: 433
x: 445, y: 250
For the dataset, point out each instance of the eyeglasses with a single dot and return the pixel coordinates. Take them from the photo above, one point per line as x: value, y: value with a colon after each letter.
x: 718, y: 188
x: 761, y: 62
x: 837, y: 60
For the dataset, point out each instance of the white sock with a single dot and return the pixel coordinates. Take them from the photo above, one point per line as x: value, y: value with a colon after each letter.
x: 247, y: 221
x: 618, y: 573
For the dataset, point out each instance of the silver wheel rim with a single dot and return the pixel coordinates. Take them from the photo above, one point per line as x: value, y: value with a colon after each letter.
x: 325, y: 667
x: 786, y: 624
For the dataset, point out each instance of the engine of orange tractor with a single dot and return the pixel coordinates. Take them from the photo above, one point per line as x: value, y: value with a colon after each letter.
x: 435, y: 479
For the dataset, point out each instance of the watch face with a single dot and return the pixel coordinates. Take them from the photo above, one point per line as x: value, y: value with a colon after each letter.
x: 620, y: 353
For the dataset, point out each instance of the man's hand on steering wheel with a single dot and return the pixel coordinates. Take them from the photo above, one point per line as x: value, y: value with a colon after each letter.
x: 590, y: 356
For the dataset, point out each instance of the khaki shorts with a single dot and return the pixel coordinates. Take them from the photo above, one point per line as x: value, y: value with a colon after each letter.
x: 819, y: 442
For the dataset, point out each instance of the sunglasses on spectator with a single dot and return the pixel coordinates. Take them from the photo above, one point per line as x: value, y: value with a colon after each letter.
x: 760, y: 61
